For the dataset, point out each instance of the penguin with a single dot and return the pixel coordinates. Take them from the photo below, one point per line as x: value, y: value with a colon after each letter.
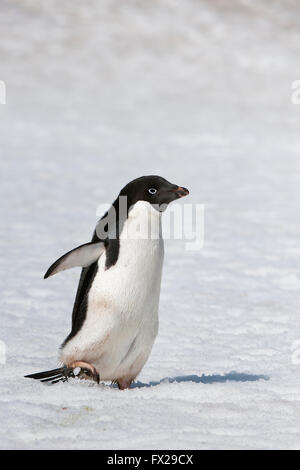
x: 115, y: 313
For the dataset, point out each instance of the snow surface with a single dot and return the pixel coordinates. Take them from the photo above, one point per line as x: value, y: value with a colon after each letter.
x: 99, y: 93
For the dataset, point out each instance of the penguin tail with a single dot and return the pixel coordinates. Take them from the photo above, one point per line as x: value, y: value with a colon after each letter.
x: 53, y: 376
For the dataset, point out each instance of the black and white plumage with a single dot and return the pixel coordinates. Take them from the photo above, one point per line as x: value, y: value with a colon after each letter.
x: 115, y: 314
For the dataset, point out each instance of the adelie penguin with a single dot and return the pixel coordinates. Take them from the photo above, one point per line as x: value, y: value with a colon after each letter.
x: 115, y: 315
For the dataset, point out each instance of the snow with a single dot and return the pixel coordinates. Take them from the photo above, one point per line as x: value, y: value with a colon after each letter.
x: 200, y: 93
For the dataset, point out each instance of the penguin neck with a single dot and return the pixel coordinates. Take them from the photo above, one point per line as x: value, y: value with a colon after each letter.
x: 139, y: 221
x: 143, y: 222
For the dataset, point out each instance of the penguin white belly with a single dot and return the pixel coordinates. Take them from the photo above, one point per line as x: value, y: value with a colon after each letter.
x: 122, y: 313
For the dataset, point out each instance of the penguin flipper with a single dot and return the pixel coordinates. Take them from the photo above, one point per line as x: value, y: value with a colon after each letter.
x: 83, y: 255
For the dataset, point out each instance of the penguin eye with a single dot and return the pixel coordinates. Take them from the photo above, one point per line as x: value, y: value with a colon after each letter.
x: 152, y: 191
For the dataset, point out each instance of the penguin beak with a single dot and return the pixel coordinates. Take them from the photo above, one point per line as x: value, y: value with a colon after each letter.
x: 181, y: 192
x: 172, y: 192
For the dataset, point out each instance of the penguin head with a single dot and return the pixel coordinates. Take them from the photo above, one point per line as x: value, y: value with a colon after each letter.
x: 153, y: 189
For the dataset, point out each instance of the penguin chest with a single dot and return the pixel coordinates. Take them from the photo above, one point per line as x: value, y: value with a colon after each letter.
x: 132, y: 284
x: 130, y: 288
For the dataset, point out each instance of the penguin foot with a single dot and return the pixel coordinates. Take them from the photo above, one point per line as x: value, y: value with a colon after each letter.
x: 124, y: 383
x: 87, y: 371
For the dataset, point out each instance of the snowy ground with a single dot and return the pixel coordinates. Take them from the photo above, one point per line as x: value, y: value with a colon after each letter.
x: 199, y: 92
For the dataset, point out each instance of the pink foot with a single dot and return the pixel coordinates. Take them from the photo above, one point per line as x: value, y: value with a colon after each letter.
x: 124, y: 383
x: 86, y: 370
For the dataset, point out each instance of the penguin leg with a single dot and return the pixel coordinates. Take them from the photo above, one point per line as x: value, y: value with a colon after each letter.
x: 87, y: 371
x: 124, y: 383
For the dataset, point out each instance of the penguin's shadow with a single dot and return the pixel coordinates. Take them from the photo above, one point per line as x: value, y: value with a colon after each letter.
x: 205, y: 379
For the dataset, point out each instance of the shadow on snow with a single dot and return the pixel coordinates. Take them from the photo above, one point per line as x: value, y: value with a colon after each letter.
x: 205, y: 379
